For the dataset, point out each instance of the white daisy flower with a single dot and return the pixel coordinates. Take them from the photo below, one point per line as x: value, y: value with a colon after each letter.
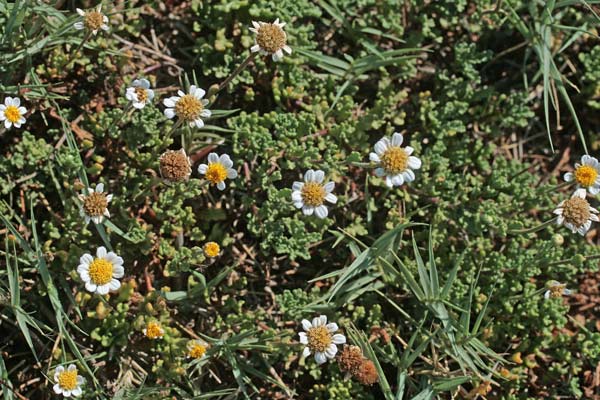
x: 93, y: 20
x: 189, y: 107
x: 395, y: 163
x: 576, y: 213
x: 68, y: 383
x: 218, y: 169
x: 586, y: 174
x: 556, y: 290
x: 196, y: 348
x: 153, y: 330
x: 139, y: 93
x: 320, y: 339
x: 270, y: 39
x: 101, y: 274
x: 12, y: 113
x: 94, y: 205
x: 312, y: 193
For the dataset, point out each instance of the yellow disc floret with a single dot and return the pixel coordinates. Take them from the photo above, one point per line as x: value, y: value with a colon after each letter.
x: 12, y: 114
x: 95, y: 204
x: 394, y: 160
x: 271, y: 37
x: 141, y: 94
x: 101, y: 271
x: 586, y: 175
x: 313, y: 194
x: 197, y: 350
x: 216, y: 173
x: 557, y: 291
x: 153, y: 330
x: 576, y: 211
x: 188, y: 108
x: 212, y: 249
x: 93, y: 20
x: 67, y: 380
x: 319, y: 338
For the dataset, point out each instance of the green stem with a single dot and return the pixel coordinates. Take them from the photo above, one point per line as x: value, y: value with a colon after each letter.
x: 586, y: 258
x: 560, y: 186
x: 175, y: 127
x: 235, y: 73
x: 532, y: 230
x: 125, y: 112
x: 74, y: 54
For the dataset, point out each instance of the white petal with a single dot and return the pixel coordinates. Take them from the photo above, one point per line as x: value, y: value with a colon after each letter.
x: 101, y: 252
x: 287, y: 49
x: 296, y: 196
x: 99, y: 188
x: 397, y: 180
x: 170, y: 113
x: 319, y: 176
x: 331, y: 351
x: 91, y: 286
x: 594, y: 190
x: 78, y: 25
x: 408, y: 150
x: 255, y: 48
x: 329, y: 186
x: 380, y: 147
x: 308, y: 210
x: 213, y: 158
x: 303, y: 337
x: 397, y: 139
x: 414, y: 162
x: 199, y: 123
x: 114, y: 284
x: 408, y: 175
x: 374, y: 158
x: 379, y: 171
x: 320, y: 358
x: 306, y: 352
x: 202, y: 168
x: 309, y: 175
x: 388, y: 181
x: 76, y: 392
x: 338, y: 338
x: 306, y: 325
x: 569, y: 176
x: 332, y: 327
x: 221, y: 185
x: 547, y: 295
x: 56, y: 388
x: 80, y: 11
x: 232, y: 173
x: 225, y: 160
x: 86, y: 259
x: 299, y: 204
x: 321, y: 211
x: 297, y: 185
x: 330, y: 197
x: 103, y: 289
x: 170, y: 101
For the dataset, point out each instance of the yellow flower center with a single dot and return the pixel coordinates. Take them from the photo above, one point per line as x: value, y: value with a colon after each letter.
x: 271, y: 38
x: 188, y: 108
x: 197, y: 350
x: 211, y: 249
x: 101, y: 271
x: 12, y: 114
x: 216, y: 173
x: 313, y: 194
x: 576, y: 211
x: 141, y: 94
x: 153, y: 330
x: 95, y: 204
x: 586, y: 175
x: 557, y: 291
x: 175, y: 166
x: 319, y: 339
x: 67, y: 380
x: 93, y: 20
x: 394, y: 160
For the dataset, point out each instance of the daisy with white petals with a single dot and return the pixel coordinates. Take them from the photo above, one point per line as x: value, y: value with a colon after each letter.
x: 319, y: 338
x: 218, y: 169
x: 12, y: 113
x: 394, y: 162
x: 189, y: 107
x: 270, y: 39
x: 312, y: 193
x: 93, y: 20
x: 101, y: 274
x: 556, y: 290
x: 576, y: 213
x: 586, y: 174
x: 94, y: 205
x: 139, y: 93
x: 68, y: 383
